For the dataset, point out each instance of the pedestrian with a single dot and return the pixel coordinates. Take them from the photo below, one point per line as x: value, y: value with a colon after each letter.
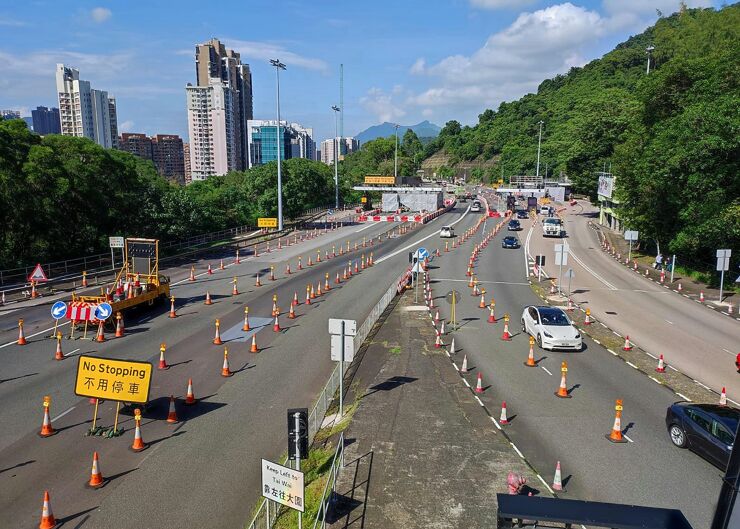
x: 659, y: 261
x: 737, y: 362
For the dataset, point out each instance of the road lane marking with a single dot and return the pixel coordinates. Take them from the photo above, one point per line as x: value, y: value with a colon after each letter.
x: 625, y: 436
x: 466, y: 382
x: 684, y: 397
x: 631, y: 364
x: 370, y: 225
x: 546, y: 371
x: 71, y: 352
x: 484, y: 282
x: 612, y: 352
x: 517, y: 450
x: 703, y: 385
x: 587, y: 269
x: 62, y: 414
x: 456, y: 368
x: 669, y: 322
x: 494, y: 422
x: 33, y: 335
x: 479, y: 401
x: 655, y: 379
x: 545, y: 484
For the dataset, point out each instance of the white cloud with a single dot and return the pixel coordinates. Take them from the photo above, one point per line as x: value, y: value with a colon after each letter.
x: 265, y: 51
x: 5, y: 21
x: 635, y: 15
x: 419, y: 66
x: 100, y: 14
x: 43, y: 63
x: 381, y: 104
x: 500, y: 4
x: 126, y: 126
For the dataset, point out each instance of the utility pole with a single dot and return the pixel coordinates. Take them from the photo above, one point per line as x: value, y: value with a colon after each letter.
x: 337, y: 112
x: 395, y: 158
x: 279, y: 66
x: 649, y: 51
x: 539, y: 146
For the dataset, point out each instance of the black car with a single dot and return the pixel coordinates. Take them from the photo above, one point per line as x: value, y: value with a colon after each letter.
x: 510, y: 242
x: 707, y: 429
x: 514, y: 225
x: 521, y: 214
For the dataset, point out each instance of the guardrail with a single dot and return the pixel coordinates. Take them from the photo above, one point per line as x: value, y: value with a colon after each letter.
x: 327, y: 497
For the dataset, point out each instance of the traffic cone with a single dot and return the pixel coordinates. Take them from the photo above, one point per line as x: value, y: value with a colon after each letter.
x: 192, y: 274
x: 96, y: 477
x: 119, y: 325
x: 442, y: 328
x: 100, y: 337
x: 627, y: 345
x: 253, y: 348
x: 337, y: 280
x: 557, y: 483
x: 562, y: 391
x: 291, y: 313
x: 46, y: 428
x: 661, y: 365
x: 21, y: 334
x: 723, y: 397
x: 276, y: 325
x: 300, y: 266
x: 553, y: 290
x: 275, y: 309
x: 295, y: 299
x: 172, y: 413
x: 530, y: 359
x: 287, y: 269
x: 371, y: 262
x: 327, y: 286
x: 569, y: 308
x: 503, y: 419
x: 308, y: 295
x: 225, y: 371
x: 451, y: 350
x: 217, y: 337
x: 34, y: 294
x: 310, y: 262
x: 189, y: 396
x: 492, y: 315
x: 479, y: 385
x: 616, y: 434
x: 173, y: 314
x: 506, y: 336
x: 221, y: 265
x: 437, y: 341
x: 210, y: 270
x: 464, y: 367
x: 59, y: 355
x: 587, y: 321
x: 318, y: 289
x: 245, y: 327
x: 236, y: 258
x: 680, y: 288
x: 162, y: 362
x: 436, y: 317
x: 47, y: 517
x: 482, y: 304
x: 272, y: 273
x: 313, y: 293
x: 138, y: 445
x: 701, y: 296
x: 234, y: 290
x: 647, y: 272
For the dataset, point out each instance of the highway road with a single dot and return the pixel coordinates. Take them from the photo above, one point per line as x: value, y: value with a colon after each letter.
x: 204, y: 470
x: 647, y: 470
x: 699, y: 342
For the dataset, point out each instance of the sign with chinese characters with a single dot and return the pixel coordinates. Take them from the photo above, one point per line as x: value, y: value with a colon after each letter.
x: 383, y: 180
x: 606, y: 185
x: 283, y: 485
x: 117, y: 380
x: 267, y: 222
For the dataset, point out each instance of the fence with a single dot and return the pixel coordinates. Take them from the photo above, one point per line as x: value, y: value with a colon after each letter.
x: 327, y: 497
x: 268, y: 509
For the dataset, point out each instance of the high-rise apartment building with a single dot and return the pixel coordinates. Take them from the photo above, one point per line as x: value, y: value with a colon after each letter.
x: 10, y: 114
x: 164, y: 150
x: 346, y: 146
x: 46, y: 121
x: 83, y: 111
x: 138, y: 144
x: 186, y: 158
x: 297, y: 141
x: 219, y: 106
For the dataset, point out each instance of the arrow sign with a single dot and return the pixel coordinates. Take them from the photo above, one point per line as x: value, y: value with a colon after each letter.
x: 421, y: 253
x: 58, y: 310
x: 103, y: 311
x: 37, y: 274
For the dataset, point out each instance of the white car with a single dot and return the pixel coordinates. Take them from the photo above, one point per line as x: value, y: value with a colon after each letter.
x: 551, y: 328
x: 446, y: 232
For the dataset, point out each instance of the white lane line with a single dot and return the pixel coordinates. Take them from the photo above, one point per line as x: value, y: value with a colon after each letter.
x: 479, y: 401
x: 625, y: 436
x: 456, y: 368
x: 612, y: 352
x: 703, y: 385
x: 655, y: 379
x: 726, y: 351
x: 71, y: 352
x: 546, y: 371
x: 632, y: 365
x: 466, y: 382
x: 483, y: 282
x: 517, y: 450
x: 671, y: 367
x: 494, y: 422
x: 597, y: 341
x: 417, y: 242
x: 33, y: 335
x: 62, y: 414
x: 651, y: 355
x: 526, y: 251
x: 545, y: 484
x: 684, y: 397
x: 587, y: 269
x: 669, y: 322
x: 370, y: 225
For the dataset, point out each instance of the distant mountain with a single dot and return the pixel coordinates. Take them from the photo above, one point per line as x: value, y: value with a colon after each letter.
x: 425, y: 129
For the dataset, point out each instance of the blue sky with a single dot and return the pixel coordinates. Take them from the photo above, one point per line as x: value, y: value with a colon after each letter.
x: 404, y: 61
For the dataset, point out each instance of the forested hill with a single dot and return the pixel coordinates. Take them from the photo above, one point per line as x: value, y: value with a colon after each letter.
x: 671, y: 137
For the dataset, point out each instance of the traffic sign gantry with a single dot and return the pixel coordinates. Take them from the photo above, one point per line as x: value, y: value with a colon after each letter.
x: 116, y: 380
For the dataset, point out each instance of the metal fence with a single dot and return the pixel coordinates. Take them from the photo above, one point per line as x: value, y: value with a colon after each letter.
x: 327, y: 497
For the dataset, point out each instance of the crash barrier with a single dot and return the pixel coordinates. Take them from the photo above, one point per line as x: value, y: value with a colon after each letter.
x: 268, y: 510
x: 327, y: 496
x: 526, y: 509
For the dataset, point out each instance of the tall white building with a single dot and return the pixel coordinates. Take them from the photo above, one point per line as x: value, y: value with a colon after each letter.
x: 346, y: 146
x: 83, y: 111
x: 297, y: 141
x: 213, y: 148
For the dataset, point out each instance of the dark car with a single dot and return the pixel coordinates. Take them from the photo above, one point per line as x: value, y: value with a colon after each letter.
x: 707, y: 429
x: 521, y: 214
x: 510, y: 242
x: 514, y: 225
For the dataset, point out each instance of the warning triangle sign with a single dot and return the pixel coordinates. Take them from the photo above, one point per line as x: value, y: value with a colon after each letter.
x: 37, y: 274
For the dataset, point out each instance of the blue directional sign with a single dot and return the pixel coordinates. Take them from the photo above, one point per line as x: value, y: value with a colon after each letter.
x: 421, y: 254
x: 103, y: 311
x: 58, y: 310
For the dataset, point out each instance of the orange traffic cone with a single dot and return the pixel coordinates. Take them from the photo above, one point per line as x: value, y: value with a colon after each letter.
x: 291, y: 313
x: 172, y: 413
x: 225, y: 372
x: 530, y: 359
x: 272, y: 273
x: 337, y: 280
x: 21, y: 334
x: 557, y: 483
x: 257, y: 281
x: 245, y: 327
x: 723, y: 397
x: 616, y: 434
x: 313, y: 293
x: 482, y: 304
x: 234, y: 290
x: 101, y: 333
x: 464, y: 367
x: 276, y: 325
x: 479, y: 385
x: 96, y: 477
x: 587, y: 321
x: 173, y: 314
x: 506, y: 336
x: 119, y: 325
x: 192, y: 274
x: 627, y: 345
x: 295, y: 299
x: 253, y: 348
x: 310, y: 262
x: 208, y: 300
x: 35, y: 294
x: 327, y: 286
x: 210, y: 270
x: 46, y: 428
x: 300, y: 265
x: 189, y: 396
x: 492, y: 315
x: 59, y: 355
x: 701, y: 296
x: 562, y: 391
x: 661, y: 365
x: 318, y: 289
x: 308, y: 296
x: 287, y: 269
x: 217, y: 337
x: 162, y: 362
x: 503, y: 419
x: 138, y: 444
x: 438, y: 341
x: 47, y: 517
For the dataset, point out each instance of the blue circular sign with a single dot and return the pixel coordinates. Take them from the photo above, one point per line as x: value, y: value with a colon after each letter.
x: 58, y: 310
x: 103, y: 311
x: 422, y: 253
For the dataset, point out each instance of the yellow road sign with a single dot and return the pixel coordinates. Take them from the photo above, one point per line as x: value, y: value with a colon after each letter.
x: 117, y: 380
x: 386, y: 180
x: 267, y: 222
x: 363, y: 200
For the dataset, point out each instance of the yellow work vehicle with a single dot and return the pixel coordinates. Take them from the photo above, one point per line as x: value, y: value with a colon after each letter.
x: 138, y: 281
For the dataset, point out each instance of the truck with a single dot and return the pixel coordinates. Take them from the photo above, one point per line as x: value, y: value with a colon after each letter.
x: 532, y: 204
x: 552, y: 227
x: 137, y: 282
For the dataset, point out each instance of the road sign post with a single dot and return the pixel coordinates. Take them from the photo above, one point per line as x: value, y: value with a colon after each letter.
x: 58, y: 311
x: 570, y: 274
x: 342, y: 348
x: 630, y: 236
x: 283, y: 485
x: 115, y: 242
x: 723, y: 264
x: 673, y: 266
x: 561, y: 258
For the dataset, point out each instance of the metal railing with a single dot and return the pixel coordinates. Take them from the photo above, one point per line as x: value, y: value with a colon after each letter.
x: 327, y: 497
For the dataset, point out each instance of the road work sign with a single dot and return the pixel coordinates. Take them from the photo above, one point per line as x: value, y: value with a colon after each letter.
x: 115, y: 242
x: 283, y: 485
x: 117, y: 380
x: 37, y: 274
x: 267, y: 222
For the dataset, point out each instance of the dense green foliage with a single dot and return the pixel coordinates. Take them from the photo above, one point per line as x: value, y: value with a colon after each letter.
x: 62, y: 197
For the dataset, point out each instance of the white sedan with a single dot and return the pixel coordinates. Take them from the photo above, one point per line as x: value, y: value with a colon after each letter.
x: 551, y: 327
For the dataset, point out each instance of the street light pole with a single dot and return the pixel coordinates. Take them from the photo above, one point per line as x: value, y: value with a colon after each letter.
x: 279, y: 66
x: 649, y: 51
x: 539, y: 145
x: 395, y: 158
x: 336, y: 158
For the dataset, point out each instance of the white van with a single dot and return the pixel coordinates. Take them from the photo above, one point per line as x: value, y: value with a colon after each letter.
x: 446, y: 232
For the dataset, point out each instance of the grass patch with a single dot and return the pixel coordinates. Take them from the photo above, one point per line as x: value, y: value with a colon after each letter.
x: 395, y: 350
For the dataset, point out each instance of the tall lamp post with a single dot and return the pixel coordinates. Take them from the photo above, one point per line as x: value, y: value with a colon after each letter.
x: 539, y: 146
x: 336, y: 156
x: 395, y: 158
x: 649, y: 51
x: 279, y: 66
